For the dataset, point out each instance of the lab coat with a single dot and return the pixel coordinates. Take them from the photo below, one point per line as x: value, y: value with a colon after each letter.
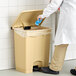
x: 66, y: 30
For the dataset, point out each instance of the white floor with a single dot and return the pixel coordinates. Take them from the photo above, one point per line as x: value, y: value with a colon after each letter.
x: 65, y: 71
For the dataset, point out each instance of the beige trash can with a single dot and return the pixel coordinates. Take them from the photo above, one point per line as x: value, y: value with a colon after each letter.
x: 31, y: 46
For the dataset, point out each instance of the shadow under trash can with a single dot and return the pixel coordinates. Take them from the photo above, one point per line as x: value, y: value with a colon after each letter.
x: 31, y: 46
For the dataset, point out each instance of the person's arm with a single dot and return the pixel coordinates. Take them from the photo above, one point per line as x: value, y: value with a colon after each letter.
x: 51, y: 8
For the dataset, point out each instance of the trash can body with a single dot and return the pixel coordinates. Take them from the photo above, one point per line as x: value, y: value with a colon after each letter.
x: 31, y: 48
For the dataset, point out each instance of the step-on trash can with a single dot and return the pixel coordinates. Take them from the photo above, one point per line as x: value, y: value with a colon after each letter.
x: 31, y: 46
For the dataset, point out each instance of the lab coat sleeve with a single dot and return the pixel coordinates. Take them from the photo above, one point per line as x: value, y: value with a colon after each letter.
x: 51, y: 8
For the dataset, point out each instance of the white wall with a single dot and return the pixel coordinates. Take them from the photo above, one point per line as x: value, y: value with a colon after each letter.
x: 6, y: 38
x: 71, y: 52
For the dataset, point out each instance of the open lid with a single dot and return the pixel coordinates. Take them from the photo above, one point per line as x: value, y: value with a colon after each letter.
x: 27, y: 18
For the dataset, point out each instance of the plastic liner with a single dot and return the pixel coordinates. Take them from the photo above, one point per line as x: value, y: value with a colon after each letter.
x: 34, y: 31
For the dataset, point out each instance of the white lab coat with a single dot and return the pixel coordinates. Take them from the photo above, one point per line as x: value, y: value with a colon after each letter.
x: 66, y: 31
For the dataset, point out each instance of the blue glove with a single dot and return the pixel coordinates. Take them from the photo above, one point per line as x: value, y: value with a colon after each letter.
x: 38, y: 22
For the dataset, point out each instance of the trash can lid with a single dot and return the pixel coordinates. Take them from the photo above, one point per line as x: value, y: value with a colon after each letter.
x: 27, y: 18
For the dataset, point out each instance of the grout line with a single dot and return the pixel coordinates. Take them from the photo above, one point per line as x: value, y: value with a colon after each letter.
x: 23, y: 5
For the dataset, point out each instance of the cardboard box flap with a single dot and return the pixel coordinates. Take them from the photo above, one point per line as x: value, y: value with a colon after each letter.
x: 27, y: 18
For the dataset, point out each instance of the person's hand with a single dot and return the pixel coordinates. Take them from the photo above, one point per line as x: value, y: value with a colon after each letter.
x: 39, y: 17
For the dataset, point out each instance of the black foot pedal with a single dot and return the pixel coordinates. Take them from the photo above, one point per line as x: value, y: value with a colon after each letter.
x: 36, y: 68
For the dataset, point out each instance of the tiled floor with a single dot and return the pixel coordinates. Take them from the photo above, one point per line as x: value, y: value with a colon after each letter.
x: 65, y: 71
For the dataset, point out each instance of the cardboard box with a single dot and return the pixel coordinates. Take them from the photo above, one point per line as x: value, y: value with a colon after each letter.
x: 31, y: 46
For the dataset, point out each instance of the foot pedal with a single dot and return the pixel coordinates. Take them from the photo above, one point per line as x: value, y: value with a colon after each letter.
x: 36, y: 68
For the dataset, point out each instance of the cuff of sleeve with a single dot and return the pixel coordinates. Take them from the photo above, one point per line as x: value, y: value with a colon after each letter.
x: 42, y: 16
